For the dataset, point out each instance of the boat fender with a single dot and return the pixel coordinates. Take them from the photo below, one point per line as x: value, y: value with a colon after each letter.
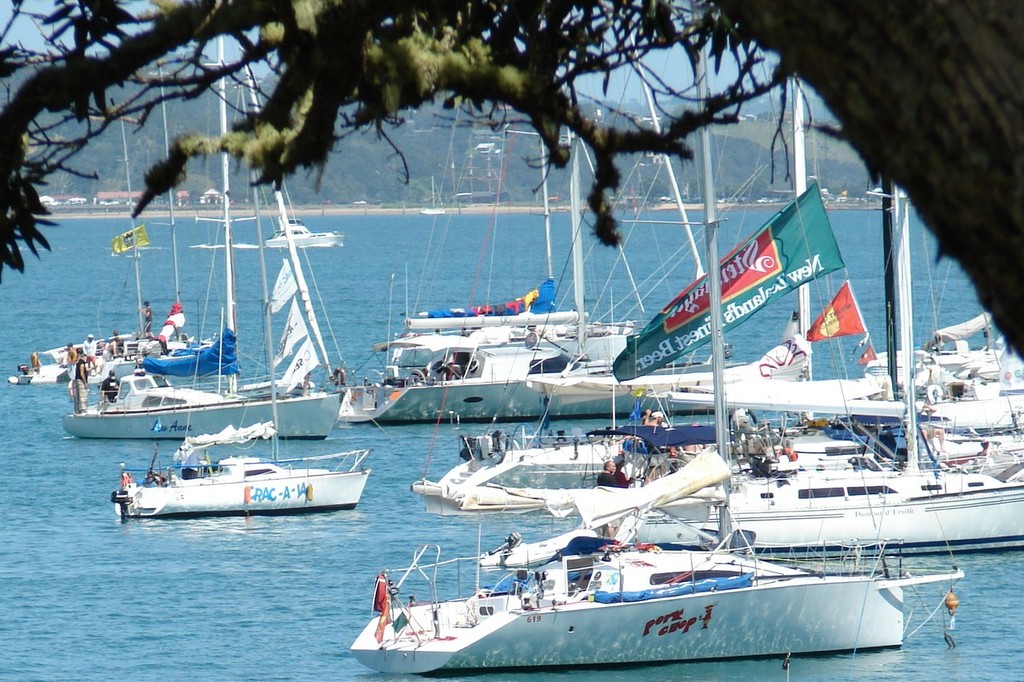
x: 309, y: 493
x: 933, y: 393
x: 951, y: 602
x: 247, y: 494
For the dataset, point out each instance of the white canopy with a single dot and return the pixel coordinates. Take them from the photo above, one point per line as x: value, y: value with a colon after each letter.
x: 964, y: 330
x: 831, y: 396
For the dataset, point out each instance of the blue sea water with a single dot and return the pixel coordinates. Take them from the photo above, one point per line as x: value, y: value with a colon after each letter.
x: 84, y: 596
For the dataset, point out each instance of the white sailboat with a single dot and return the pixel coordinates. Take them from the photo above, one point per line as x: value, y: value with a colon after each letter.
x: 926, y: 507
x: 197, y: 485
x: 148, y: 407
x: 435, y: 207
x: 586, y: 601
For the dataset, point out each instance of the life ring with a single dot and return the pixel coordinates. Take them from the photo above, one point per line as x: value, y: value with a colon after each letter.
x: 933, y: 393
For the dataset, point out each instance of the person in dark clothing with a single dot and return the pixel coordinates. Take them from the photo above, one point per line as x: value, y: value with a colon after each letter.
x: 147, y: 319
x: 109, y: 388
x: 609, y: 478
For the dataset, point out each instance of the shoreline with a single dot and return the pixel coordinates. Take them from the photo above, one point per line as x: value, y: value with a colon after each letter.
x: 59, y: 213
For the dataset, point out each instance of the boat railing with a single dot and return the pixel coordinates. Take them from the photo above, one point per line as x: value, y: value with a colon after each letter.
x: 882, y: 557
x: 351, y: 458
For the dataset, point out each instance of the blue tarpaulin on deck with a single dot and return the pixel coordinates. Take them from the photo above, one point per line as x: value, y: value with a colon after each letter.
x: 219, y: 358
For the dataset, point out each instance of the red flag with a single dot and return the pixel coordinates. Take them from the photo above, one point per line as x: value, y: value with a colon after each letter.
x: 868, y: 355
x: 381, y: 603
x: 841, y: 317
x: 382, y: 625
x: 380, y: 594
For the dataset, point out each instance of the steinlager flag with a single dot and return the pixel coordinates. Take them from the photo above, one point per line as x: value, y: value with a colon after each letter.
x: 793, y: 248
x: 135, y: 238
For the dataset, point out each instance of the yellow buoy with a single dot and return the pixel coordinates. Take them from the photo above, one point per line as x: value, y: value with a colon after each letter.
x: 951, y: 602
x: 309, y: 493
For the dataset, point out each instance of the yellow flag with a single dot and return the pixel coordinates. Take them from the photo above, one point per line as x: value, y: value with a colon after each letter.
x: 135, y: 238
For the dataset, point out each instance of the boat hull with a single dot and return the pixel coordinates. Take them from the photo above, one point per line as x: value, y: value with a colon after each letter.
x: 978, y: 520
x: 298, y: 493
x: 304, y: 417
x: 793, y: 616
x: 469, y: 401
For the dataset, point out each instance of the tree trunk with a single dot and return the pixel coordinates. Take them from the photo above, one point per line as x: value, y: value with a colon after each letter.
x: 930, y: 94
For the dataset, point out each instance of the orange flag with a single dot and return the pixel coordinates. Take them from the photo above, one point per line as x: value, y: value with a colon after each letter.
x: 868, y: 355
x: 841, y: 317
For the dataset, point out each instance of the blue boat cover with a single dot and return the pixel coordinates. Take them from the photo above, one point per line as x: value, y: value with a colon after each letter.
x: 219, y: 358
x: 706, y: 585
x: 540, y: 300
x: 661, y: 437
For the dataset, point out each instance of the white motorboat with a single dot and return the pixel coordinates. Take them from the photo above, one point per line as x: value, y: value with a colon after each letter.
x: 301, y: 236
x: 584, y: 602
x: 484, y: 375
x: 241, y: 486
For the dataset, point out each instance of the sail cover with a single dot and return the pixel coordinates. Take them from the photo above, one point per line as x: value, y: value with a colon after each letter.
x: 218, y: 358
x: 793, y: 248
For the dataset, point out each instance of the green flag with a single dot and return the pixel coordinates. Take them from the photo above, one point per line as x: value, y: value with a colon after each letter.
x: 793, y: 248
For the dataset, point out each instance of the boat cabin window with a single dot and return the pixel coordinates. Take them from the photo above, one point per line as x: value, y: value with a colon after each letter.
x: 975, y: 484
x: 412, y: 357
x: 679, y: 577
x: 870, y: 490
x: 258, y: 472
x: 816, y: 493
x: 931, y: 487
x: 549, y: 365
x: 767, y: 496
x: 578, y: 572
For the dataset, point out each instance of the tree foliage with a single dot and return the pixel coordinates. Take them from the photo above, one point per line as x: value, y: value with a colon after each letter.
x: 339, y: 67
x: 927, y: 92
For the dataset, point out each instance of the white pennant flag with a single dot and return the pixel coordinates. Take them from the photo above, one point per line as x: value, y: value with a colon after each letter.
x: 294, y: 331
x: 284, y: 288
x: 304, y: 362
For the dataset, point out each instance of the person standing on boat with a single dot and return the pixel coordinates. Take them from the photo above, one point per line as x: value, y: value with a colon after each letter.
x: 81, y: 385
x: 89, y: 350
x: 71, y: 357
x: 147, y: 319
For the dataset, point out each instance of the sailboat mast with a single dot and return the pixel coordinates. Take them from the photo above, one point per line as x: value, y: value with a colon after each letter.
x: 170, y: 198
x: 576, y: 211
x: 268, y: 339
x: 544, y: 169
x: 666, y: 163
x: 906, y: 327
x: 715, y: 295
x: 136, y: 254
x: 800, y: 185
x: 889, y: 256
x: 229, y: 267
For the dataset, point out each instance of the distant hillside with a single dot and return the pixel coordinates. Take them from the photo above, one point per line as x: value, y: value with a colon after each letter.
x: 467, y: 164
